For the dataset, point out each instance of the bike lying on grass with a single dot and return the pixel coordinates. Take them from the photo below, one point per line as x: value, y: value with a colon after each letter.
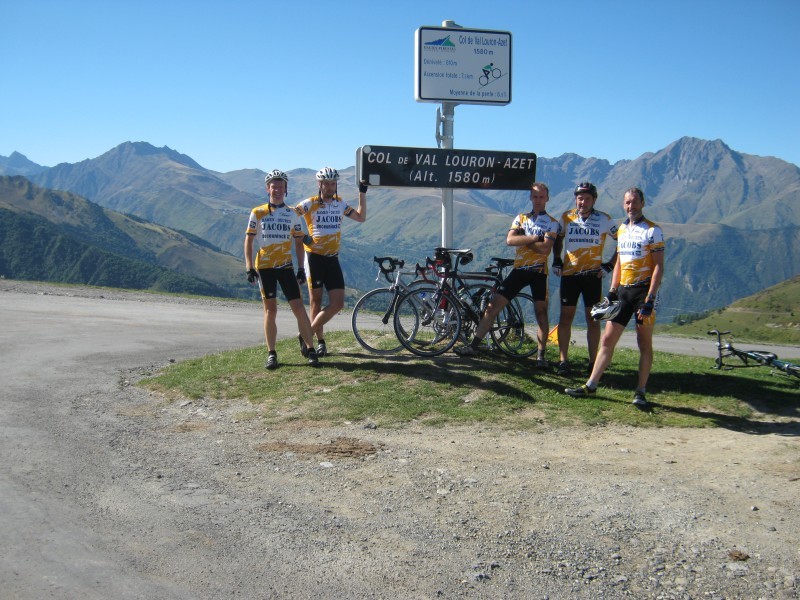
x: 749, y: 358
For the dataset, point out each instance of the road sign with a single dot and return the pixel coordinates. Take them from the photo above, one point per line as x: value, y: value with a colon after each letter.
x: 466, y: 66
x: 394, y: 166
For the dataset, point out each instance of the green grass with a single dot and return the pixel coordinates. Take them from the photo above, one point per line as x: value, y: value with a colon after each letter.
x: 392, y: 391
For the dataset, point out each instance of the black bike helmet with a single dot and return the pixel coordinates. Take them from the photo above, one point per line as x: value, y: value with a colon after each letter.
x: 586, y: 187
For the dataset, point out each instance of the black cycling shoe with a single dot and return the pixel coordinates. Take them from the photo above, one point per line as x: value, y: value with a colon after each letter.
x: 313, y: 361
x: 272, y: 362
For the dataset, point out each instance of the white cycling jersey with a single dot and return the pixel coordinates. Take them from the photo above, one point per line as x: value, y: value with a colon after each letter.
x: 584, y: 240
x: 274, y: 228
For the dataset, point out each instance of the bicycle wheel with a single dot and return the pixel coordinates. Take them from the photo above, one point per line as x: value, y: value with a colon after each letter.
x: 514, y: 329
x: 373, y: 321
x: 425, y: 328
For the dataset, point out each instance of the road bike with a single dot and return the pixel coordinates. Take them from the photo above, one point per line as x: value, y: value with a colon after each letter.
x: 432, y: 328
x: 372, y: 320
x: 749, y: 358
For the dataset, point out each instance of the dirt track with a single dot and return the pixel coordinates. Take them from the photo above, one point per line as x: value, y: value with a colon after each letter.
x: 110, y: 492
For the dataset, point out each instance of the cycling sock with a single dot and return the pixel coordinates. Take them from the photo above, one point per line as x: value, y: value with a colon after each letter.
x: 476, y: 342
x: 591, y: 385
x: 273, y: 352
x: 320, y: 341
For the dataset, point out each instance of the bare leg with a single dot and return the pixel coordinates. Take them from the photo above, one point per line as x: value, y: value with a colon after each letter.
x: 496, y: 304
x: 322, y: 315
x: 270, y: 326
x: 303, y: 322
x: 644, y: 338
x: 608, y: 343
x: 592, y: 335
x: 540, y: 306
x: 565, y: 331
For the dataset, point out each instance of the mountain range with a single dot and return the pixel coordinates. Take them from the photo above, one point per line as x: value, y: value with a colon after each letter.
x: 732, y: 220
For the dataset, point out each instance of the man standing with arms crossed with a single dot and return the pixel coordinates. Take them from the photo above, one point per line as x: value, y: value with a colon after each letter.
x: 323, y: 215
x: 275, y: 227
x: 533, y: 235
x: 634, y: 284
x: 582, y: 237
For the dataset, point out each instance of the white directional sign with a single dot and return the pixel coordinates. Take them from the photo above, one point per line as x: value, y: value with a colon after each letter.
x: 466, y: 66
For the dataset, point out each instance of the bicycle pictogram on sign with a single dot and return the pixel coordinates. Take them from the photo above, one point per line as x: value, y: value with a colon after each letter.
x: 490, y: 73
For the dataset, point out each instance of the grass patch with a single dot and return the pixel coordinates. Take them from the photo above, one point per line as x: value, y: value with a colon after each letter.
x: 353, y: 385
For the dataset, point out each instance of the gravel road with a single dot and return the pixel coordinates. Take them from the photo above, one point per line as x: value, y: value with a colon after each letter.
x: 109, y: 491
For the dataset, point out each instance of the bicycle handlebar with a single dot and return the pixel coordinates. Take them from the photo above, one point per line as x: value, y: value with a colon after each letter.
x: 393, y: 263
x: 718, y: 332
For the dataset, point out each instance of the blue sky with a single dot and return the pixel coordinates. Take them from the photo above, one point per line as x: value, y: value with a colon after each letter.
x: 269, y: 85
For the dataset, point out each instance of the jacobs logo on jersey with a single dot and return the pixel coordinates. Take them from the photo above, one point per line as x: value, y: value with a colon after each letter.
x: 576, y: 229
x: 267, y: 226
x: 629, y: 245
x: 328, y: 219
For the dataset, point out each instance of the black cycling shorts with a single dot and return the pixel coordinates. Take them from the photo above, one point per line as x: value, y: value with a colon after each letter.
x: 518, y: 279
x: 325, y: 271
x: 588, y: 285
x: 270, y: 278
x: 632, y: 299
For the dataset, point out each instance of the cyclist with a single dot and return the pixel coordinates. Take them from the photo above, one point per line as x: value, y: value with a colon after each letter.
x: 533, y: 234
x: 323, y: 215
x: 635, y: 281
x: 275, y: 226
x: 581, y: 239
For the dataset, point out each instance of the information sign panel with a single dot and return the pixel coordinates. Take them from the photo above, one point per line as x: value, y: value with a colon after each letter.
x: 395, y: 166
x: 466, y: 66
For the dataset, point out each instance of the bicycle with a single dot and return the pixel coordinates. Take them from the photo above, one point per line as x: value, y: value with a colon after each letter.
x: 484, y: 80
x: 433, y: 328
x: 372, y: 320
x: 770, y: 359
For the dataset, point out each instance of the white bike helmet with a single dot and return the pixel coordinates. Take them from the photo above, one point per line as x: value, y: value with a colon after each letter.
x: 327, y: 174
x: 605, y: 310
x: 276, y: 174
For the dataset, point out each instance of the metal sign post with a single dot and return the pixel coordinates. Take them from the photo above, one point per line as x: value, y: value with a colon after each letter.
x: 445, y: 117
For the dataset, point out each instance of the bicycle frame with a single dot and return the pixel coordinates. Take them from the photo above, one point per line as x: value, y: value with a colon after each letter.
x: 471, y: 291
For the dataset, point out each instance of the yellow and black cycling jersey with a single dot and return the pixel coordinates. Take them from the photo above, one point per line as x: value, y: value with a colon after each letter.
x: 324, y: 222
x: 636, y: 245
x: 584, y: 240
x: 531, y: 224
x: 274, y: 228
